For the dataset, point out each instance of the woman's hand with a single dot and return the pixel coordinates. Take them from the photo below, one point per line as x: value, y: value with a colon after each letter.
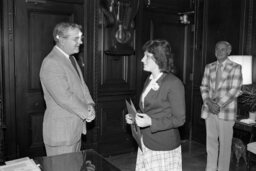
x: 90, y: 166
x: 143, y: 120
x: 128, y: 118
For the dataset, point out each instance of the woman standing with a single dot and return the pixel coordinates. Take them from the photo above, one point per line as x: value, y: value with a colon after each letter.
x: 163, y: 110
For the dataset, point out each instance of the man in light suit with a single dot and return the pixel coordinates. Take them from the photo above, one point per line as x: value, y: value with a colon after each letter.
x: 69, y: 104
x: 220, y: 88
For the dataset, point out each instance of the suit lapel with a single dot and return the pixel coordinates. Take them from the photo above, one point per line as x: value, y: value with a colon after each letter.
x: 227, y: 69
x: 71, y: 72
x: 145, y: 85
x: 160, y: 80
x: 212, y: 75
x: 66, y: 62
x: 152, y: 93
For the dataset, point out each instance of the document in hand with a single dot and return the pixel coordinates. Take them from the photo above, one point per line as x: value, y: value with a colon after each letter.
x: 22, y: 164
x: 134, y: 127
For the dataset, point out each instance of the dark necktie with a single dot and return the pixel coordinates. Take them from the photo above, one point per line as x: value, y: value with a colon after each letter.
x: 73, y: 61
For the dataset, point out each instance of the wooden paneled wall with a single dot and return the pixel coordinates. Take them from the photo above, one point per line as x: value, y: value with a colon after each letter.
x: 2, y: 124
x: 115, y: 82
x: 113, y: 78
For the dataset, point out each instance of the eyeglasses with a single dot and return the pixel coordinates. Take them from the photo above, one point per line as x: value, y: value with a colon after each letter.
x: 75, y: 39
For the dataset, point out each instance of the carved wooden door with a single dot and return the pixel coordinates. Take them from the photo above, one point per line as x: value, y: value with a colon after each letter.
x: 34, y: 22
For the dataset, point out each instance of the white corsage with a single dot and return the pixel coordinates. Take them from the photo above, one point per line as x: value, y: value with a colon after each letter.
x: 155, y: 86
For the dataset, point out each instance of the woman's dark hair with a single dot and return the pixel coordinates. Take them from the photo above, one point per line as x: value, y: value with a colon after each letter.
x: 161, y: 51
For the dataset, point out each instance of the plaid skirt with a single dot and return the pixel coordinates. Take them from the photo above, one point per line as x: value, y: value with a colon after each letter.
x: 150, y: 160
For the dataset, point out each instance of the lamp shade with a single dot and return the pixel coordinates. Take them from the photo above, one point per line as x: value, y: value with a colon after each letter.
x: 246, y: 62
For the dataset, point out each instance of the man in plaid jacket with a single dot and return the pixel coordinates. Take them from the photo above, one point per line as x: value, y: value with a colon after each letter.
x: 219, y: 94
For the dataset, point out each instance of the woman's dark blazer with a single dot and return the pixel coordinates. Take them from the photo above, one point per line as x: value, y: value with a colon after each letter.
x: 166, y: 107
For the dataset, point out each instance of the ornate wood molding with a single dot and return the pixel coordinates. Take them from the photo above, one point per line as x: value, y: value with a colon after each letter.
x: 8, y: 110
x: 251, y: 43
x: 1, y: 95
x: 249, y: 27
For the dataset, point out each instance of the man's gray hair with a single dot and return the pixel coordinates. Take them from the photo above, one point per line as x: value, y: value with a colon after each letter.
x: 228, y: 45
x: 61, y: 28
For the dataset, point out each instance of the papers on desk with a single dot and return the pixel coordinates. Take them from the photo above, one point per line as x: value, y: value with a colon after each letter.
x: 134, y: 127
x: 247, y: 121
x: 22, y: 164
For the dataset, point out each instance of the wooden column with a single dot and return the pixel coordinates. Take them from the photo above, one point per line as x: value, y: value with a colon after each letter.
x: 1, y: 96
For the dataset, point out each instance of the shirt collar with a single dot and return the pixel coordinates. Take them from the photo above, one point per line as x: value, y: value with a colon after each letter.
x: 159, y: 75
x: 64, y: 53
x: 222, y: 64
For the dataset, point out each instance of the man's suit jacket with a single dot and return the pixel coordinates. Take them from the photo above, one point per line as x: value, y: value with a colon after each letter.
x: 67, y: 98
x: 166, y: 107
x: 227, y: 92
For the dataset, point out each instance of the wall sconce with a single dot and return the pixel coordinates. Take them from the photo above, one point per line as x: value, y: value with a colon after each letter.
x: 120, y: 14
x: 184, y: 17
x: 246, y: 62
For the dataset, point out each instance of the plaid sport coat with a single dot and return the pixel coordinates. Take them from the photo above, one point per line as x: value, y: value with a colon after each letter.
x: 227, y: 91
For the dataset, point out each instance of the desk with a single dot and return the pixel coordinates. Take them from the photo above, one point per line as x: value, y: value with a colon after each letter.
x: 248, y: 128
x: 87, y: 160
